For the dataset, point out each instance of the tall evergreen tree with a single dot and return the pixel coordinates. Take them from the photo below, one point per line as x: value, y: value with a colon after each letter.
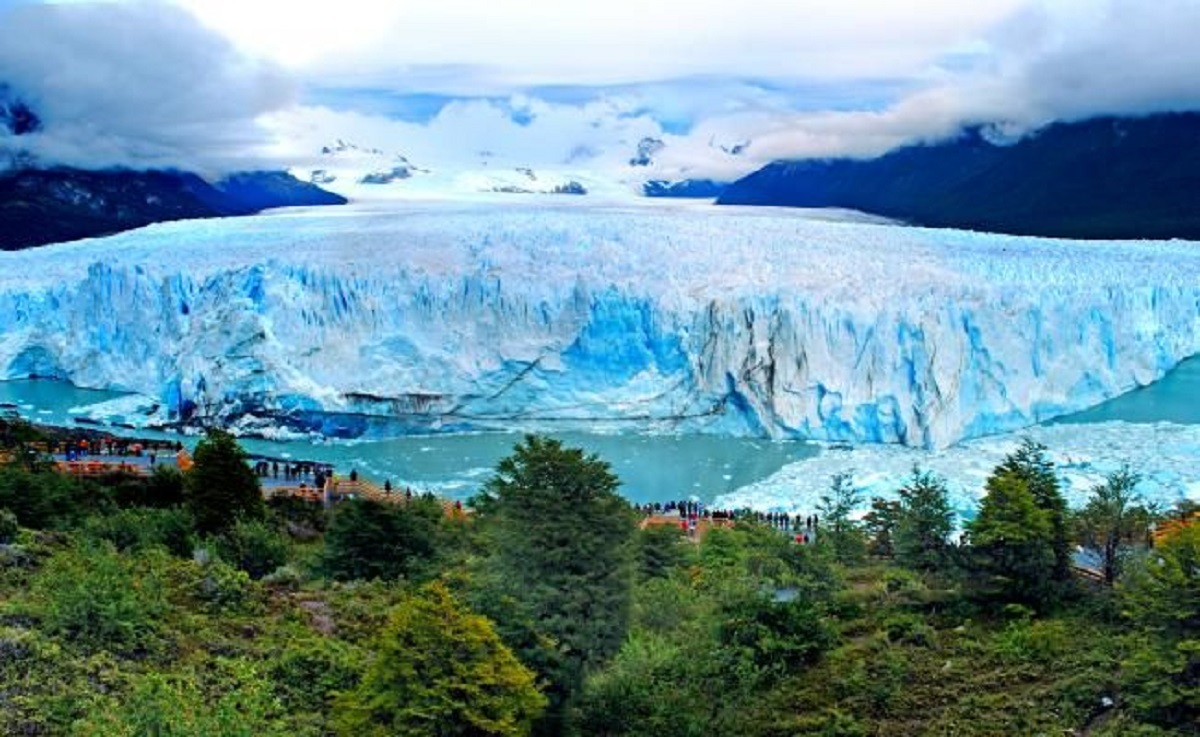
x: 559, y: 582
x: 843, y: 536
x: 1012, y: 540
x: 1030, y: 463
x: 925, y: 522
x: 368, y: 539
x: 879, y: 524
x: 221, y: 487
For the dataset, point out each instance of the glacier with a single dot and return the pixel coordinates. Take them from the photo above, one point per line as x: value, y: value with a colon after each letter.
x: 439, y: 316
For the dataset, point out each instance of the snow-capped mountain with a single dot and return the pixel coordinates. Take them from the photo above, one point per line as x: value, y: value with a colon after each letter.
x: 368, y: 173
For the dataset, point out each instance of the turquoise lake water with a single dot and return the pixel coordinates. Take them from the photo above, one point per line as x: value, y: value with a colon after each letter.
x: 651, y: 467
x: 1174, y: 398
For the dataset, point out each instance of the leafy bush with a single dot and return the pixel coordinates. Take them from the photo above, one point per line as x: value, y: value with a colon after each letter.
x: 133, y: 530
x: 94, y: 596
x: 238, y: 702
x: 163, y: 489
x: 314, y: 671
x: 44, y: 500
x: 254, y: 547
x: 440, y: 669
x: 222, y: 587
x: 909, y: 629
x: 284, y: 577
x: 661, y: 548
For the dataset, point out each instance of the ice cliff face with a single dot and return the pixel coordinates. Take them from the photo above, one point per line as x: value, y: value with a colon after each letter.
x: 419, y: 318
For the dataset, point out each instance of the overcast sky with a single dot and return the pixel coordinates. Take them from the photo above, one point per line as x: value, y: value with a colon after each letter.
x: 220, y: 84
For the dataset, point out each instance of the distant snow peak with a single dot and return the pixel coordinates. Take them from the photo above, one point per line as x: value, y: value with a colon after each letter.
x: 341, y: 146
x: 647, y: 149
x: 395, y: 174
x: 367, y: 165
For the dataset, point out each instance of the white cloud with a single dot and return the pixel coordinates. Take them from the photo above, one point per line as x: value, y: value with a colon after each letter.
x: 1066, y: 60
x: 501, y: 46
x: 144, y: 83
x: 139, y: 84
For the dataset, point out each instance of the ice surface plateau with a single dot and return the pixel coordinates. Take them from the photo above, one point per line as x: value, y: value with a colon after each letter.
x: 432, y: 316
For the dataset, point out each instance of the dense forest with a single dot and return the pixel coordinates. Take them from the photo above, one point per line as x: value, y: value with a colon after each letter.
x: 184, y: 604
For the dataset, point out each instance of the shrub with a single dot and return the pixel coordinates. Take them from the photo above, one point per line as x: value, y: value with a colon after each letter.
x: 254, y: 547
x: 45, y: 500
x: 132, y: 530
x: 8, y: 527
x: 239, y: 703
x: 164, y: 488
x: 222, y: 587
x: 314, y: 670
x: 94, y: 596
x: 440, y: 669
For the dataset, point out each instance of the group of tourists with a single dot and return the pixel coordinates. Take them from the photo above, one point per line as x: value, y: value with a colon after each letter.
x: 692, y: 512
x: 76, y: 449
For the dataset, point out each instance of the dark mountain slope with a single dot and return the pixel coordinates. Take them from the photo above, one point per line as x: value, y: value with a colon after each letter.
x: 40, y: 206
x: 1101, y: 178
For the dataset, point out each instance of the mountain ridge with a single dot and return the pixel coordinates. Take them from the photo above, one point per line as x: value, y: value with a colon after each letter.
x: 1102, y: 178
x: 43, y: 206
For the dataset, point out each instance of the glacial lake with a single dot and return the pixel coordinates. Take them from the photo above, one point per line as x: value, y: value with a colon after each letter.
x: 651, y: 467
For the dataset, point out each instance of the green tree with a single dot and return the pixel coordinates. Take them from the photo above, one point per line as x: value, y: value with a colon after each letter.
x: 1030, y: 463
x: 843, y: 536
x: 879, y: 524
x: 559, y: 580
x: 368, y: 539
x: 1113, y: 519
x: 439, y: 669
x: 1012, y: 539
x: 221, y: 487
x: 925, y: 523
x: 1161, y: 594
x: 660, y: 550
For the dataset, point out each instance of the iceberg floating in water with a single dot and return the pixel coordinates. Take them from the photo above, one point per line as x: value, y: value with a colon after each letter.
x: 1164, y: 455
x: 425, y: 317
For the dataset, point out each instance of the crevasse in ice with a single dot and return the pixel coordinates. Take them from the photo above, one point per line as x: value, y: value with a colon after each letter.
x: 436, y: 316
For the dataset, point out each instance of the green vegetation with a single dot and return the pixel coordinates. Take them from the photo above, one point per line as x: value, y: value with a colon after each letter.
x: 923, y: 523
x: 546, y: 610
x: 221, y: 488
x: 367, y: 539
x: 440, y: 669
x: 558, y: 575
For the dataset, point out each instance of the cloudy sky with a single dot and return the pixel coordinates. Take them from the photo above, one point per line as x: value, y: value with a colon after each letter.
x: 221, y: 84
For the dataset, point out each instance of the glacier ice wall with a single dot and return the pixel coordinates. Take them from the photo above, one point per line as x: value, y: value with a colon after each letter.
x: 442, y: 317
